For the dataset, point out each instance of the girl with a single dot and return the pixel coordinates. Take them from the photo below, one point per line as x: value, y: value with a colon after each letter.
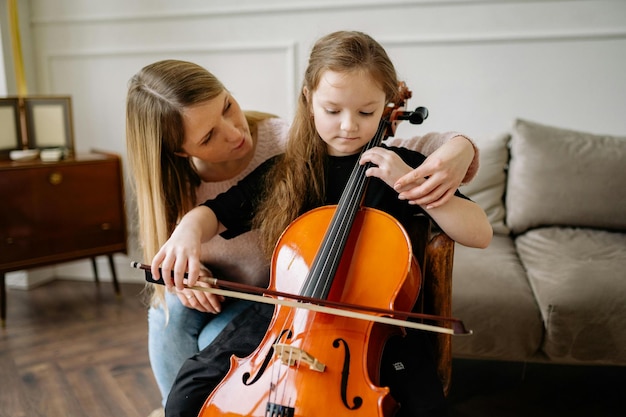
x: 347, y: 85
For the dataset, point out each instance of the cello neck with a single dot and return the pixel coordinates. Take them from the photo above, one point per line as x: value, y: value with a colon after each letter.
x: 320, y: 276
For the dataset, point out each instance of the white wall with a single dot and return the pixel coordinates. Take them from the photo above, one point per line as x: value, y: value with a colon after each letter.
x: 3, y: 78
x: 476, y: 64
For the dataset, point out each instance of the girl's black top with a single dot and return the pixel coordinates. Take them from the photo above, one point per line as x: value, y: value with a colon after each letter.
x: 236, y: 207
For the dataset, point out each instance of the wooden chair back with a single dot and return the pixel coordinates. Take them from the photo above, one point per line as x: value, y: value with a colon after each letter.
x: 434, y: 251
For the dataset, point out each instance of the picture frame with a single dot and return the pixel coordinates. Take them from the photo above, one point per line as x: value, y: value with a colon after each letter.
x: 10, y: 126
x: 49, y: 122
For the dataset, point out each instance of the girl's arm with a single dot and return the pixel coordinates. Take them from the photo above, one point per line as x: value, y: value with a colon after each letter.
x: 181, y: 252
x: 464, y: 221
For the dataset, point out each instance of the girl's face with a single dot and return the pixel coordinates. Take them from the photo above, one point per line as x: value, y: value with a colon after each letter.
x: 347, y: 108
x: 216, y: 131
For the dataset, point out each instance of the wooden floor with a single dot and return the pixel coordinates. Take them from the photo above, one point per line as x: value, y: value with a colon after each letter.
x: 72, y: 349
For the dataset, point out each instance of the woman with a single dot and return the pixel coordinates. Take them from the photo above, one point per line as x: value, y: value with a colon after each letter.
x: 188, y: 140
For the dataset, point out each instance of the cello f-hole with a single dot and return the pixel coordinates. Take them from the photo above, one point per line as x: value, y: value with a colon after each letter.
x: 246, y: 376
x: 345, y: 373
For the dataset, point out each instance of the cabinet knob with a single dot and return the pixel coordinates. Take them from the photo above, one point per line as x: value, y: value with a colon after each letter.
x: 105, y: 226
x: 55, y: 178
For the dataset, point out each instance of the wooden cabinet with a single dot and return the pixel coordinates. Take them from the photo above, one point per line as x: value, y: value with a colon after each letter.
x: 53, y: 212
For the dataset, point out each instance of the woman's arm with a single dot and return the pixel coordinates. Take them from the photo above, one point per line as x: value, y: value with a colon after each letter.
x: 181, y: 252
x: 461, y: 219
x: 452, y: 159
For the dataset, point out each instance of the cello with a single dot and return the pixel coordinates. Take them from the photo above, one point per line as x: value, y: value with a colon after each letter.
x: 310, y: 362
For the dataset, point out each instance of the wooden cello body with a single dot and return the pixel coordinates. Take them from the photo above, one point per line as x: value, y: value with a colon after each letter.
x: 316, y: 364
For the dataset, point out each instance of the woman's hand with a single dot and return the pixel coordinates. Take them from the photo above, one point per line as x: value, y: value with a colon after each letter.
x: 434, y: 182
x: 201, y: 300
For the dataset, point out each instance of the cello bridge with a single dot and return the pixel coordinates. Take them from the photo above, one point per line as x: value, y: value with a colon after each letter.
x: 289, y: 355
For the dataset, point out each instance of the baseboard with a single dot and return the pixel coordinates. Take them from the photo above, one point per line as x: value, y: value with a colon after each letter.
x: 25, y: 280
x: 78, y: 270
x: 83, y: 271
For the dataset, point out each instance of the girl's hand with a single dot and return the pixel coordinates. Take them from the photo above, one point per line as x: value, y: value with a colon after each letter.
x: 201, y: 300
x: 389, y: 167
x: 180, y: 254
x: 433, y: 183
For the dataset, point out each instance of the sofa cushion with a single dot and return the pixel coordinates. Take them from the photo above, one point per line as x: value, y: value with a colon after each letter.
x: 563, y: 177
x: 491, y: 294
x: 579, y: 282
x: 487, y: 188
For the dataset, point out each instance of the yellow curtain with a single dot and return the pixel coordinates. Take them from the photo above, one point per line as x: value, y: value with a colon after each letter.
x: 16, y: 44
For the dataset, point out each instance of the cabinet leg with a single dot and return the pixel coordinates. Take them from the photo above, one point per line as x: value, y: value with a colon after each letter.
x: 3, y: 301
x: 94, y: 266
x: 116, y: 284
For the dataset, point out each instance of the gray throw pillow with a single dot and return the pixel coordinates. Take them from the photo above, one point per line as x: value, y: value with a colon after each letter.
x: 564, y: 177
x: 487, y: 188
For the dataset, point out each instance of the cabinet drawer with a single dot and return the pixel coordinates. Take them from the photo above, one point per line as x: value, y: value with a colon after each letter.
x: 61, y: 210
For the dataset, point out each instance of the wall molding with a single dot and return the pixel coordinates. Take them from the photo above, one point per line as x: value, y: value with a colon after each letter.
x: 276, y: 8
x: 256, y: 9
x: 287, y: 48
x: 526, y: 37
x: 216, y: 48
x: 290, y: 48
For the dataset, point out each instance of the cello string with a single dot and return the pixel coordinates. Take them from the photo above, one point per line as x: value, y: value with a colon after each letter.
x: 341, y: 223
x: 279, y: 370
x: 290, y: 373
x: 282, y: 372
x: 331, y: 251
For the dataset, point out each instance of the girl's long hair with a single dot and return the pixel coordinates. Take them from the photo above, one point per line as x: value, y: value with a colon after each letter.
x: 164, y: 183
x: 296, y: 182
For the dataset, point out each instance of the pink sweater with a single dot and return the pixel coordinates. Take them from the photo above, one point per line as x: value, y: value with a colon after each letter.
x: 271, y: 140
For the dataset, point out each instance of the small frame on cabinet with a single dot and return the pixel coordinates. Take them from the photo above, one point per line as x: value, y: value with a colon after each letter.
x: 10, y: 126
x: 49, y: 122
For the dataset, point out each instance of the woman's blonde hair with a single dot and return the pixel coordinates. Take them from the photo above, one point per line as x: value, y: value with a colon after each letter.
x: 164, y: 183
x: 296, y: 183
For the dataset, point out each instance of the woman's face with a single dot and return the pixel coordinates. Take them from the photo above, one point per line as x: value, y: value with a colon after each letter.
x: 216, y: 131
x: 347, y: 108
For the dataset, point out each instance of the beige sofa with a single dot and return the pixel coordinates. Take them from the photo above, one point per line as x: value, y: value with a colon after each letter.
x: 552, y: 284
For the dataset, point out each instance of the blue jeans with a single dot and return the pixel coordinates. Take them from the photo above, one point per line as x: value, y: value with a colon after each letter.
x: 185, y: 333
